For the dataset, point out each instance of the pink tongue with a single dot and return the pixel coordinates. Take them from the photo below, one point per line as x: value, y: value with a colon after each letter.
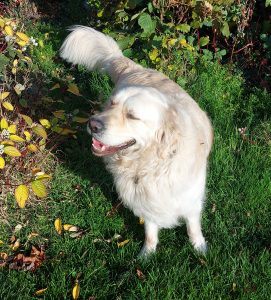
x: 97, y: 144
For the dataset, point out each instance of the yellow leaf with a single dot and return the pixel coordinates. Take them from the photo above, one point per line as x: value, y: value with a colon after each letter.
x: 121, y: 244
x: 14, y: 71
x: 4, y: 95
x: 40, y: 292
x: 27, y: 135
x: 16, y: 138
x: 2, y: 23
x: 153, y: 54
x: 73, y: 88
x: 21, y: 195
x: 45, y: 123
x: 12, y: 151
x: 4, y: 123
x: 76, y: 291
x: 172, y: 42
x: 34, y: 171
x: 67, y: 226
x: 8, y: 105
x: 8, y: 30
x: 56, y: 86
x: 1, y: 242
x: 43, y: 176
x: 58, y: 226
x: 39, y: 188
x: 7, y: 142
x: 32, y: 148
x: 22, y: 36
x: 21, y: 43
x: 27, y: 120
x: 59, y: 114
x: 16, y: 245
x: 80, y: 120
x: 2, y: 163
x: 15, y: 63
x: 183, y: 42
x: 39, y: 130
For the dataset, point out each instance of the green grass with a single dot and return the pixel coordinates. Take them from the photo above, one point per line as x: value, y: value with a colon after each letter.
x: 236, y: 219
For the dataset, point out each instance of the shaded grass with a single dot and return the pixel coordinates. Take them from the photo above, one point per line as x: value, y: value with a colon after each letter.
x: 236, y: 220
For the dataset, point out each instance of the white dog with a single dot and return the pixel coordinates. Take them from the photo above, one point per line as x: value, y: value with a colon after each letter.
x: 153, y: 136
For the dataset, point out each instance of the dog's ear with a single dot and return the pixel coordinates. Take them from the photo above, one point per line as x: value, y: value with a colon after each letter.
x: 168, y: 136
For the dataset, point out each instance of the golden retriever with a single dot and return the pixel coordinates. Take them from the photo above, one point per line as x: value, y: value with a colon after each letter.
x: 153, y: 136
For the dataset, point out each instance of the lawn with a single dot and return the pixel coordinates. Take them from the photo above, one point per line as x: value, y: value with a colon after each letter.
x: 236, y: 219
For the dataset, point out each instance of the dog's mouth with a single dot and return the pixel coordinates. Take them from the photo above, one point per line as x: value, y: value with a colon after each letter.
x: 100, y: 149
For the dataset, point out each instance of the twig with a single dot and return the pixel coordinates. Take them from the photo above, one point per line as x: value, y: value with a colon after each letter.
x: 237, y: 51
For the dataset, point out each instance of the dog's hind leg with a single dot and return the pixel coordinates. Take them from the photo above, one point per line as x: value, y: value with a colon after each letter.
x: 151, y: 239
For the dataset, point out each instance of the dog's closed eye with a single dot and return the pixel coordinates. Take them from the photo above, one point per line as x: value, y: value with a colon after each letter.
x: 130, y: 115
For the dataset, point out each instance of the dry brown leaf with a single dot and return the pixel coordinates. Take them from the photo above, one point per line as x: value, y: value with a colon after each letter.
x: 140, y: 274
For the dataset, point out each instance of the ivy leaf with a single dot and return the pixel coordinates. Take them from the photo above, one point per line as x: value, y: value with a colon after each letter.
x: 45, y: 123
x: 58, y: 225
x: 8, y: 30
x: 4, y: 95
x: 21, y: 195
x: 203, y: 41
x: 4, y: 123
x: 2, y: 163
x: 40, y: 131
x: 147, y: 24
x: 12, y: 151
x: 12, y: 128
x: 185, y: 28
x: 8, y: 106
x: 32, y: 148
x: 39, y: 188
x: 22, y: 36
x: 153, y: 54
x: 225, y: 29
x: 73, y: 88
x: 27, y: 120
x: 16, y: 138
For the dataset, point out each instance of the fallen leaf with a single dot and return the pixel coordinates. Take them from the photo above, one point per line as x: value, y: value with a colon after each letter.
x: 73, y: 88
x: 58, y: 226
x: 22, y: 36
x: 8, y: 30
x: 140, y: 274
x: 40, y: 292
x: 76, y: 291
x: 56, y: 86
x: 71, y: 228
x: 12, y: 128
x: 21, y: 195
x: 122, y: 244
x: 18, y: 227
x: 16, y: 245
x: 28, y: 263
x: 32, y: 148
x: 32, y: 235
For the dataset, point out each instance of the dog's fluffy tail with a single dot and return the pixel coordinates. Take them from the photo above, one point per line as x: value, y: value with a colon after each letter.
x: 90, y: 48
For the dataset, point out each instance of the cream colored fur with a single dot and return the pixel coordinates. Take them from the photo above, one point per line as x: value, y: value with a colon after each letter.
x: 162, y: 176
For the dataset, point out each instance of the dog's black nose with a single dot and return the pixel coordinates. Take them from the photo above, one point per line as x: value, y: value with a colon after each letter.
x: 96, y: 125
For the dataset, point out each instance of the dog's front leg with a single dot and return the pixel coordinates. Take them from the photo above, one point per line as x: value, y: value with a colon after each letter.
x: 151, y: 239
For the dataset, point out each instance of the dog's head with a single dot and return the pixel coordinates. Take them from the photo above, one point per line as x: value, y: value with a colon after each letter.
x: 132, y: 119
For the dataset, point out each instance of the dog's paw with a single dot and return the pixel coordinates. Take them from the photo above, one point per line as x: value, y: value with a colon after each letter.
x: 146, y: 252
x: 201, y: 248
